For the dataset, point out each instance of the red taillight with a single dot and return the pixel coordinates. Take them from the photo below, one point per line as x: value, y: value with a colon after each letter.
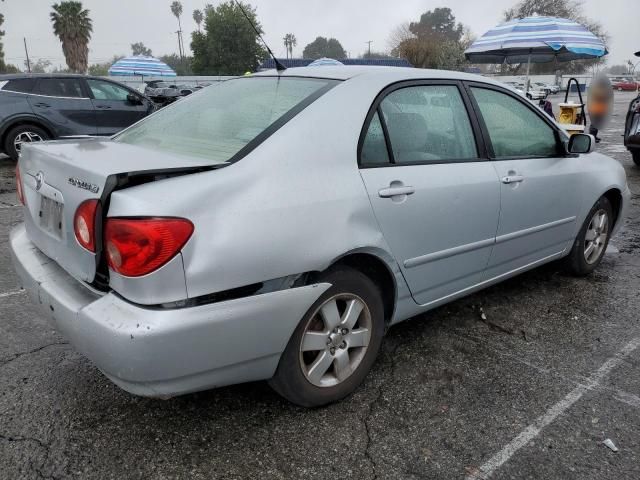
x: 137, y: 246
x: 84, y: 224
x: 19, y: 190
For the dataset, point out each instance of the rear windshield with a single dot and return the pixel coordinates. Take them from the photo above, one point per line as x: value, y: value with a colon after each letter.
x: 220, y: 120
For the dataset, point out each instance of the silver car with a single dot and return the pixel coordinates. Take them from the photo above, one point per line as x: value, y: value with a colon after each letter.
x: 274, y: 226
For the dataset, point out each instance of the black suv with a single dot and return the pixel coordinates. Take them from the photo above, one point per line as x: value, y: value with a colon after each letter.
x: 43, y: 107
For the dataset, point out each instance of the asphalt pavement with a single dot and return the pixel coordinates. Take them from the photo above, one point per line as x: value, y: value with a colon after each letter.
x: 529, y: 390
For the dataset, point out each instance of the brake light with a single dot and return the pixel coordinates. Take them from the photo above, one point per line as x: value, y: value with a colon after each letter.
x: 138, y: 246
x: 19, y: 190
x: 84, y: 224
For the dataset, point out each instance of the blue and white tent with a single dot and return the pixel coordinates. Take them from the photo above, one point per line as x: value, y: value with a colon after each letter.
x: 536, y: 40
x: 139, y: 65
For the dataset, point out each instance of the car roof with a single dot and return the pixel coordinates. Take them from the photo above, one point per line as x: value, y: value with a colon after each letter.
x: 393, y: 74
x: 15, y: 76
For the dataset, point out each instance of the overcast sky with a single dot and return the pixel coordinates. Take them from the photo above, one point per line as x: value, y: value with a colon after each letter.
x: 118, y: 23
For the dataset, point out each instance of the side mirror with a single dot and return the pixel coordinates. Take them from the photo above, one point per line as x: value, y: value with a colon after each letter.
x: 581, y: 143
x: 134, y: 99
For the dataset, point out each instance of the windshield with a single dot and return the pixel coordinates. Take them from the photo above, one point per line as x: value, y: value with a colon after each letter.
x: 219, y: 121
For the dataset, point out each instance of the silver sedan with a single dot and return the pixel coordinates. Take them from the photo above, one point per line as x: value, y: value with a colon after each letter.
x: 274, y: 226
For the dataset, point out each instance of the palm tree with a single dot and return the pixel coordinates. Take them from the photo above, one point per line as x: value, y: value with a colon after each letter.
x: 72, y: 25
x: 290, y: 41
x: 176, y: 9
x: 198, y: 17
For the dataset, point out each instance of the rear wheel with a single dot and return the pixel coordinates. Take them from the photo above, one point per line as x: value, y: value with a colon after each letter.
x: 635, y: 154
x: 335, y: 344
x: 20, y: 135
x: 592, y: 240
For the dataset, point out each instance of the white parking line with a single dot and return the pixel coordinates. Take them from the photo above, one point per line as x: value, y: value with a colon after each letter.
x: 533, y: 430
x: 11, y: 293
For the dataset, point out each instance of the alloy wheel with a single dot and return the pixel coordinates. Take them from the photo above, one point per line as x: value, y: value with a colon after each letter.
x: 335, y: 340
x: 25, y: 137
x: 595, y: 237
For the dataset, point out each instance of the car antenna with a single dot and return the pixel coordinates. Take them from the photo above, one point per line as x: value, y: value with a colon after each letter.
x: 279, y: 67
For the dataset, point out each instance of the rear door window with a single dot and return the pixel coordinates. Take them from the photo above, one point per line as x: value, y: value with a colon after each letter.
x: 428, y: 123
x: 60, y: 87
x: 374, y: 148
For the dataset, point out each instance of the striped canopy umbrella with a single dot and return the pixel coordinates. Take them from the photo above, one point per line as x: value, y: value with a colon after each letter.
x: 537, y: 40
x: 323, y: 62
x: 139, y: 65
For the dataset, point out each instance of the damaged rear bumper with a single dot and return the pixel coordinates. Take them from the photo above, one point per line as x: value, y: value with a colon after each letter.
x: 161, y: 352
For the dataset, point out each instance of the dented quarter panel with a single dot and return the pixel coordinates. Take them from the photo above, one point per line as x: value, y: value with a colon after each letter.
x: 293, y: 205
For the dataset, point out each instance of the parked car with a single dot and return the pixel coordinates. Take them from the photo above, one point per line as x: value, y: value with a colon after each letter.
x: 625, y: 84
x: 43, y: 107
x: 163, y: 93
x: 273, y: 226
x: 532, y: 93
x: 545, y: 87
x: 632, y: 130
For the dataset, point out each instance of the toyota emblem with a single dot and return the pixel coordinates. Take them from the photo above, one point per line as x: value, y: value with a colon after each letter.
x: 39, y: 180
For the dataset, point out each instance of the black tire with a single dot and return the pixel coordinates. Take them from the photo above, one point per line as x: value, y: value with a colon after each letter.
x: 290, y: 380
x: 9, y: 145
x: 635, y: 155
x: 576, y: 262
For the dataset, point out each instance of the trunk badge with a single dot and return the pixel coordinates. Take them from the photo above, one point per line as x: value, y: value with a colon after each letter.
x: 39, y: 180
x: 76, y: 182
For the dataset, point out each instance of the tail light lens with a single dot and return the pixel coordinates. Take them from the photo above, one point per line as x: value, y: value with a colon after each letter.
x: 84, y: 224
x: 138, y: 246
x: 19, y: 190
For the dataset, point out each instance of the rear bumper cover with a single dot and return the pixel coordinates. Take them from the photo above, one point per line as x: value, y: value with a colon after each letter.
x: 158, y: 352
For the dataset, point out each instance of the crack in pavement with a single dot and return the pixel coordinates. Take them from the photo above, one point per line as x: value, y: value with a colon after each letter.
x: 372, y: 404
x: 5, y: 361
x: 41, y: 444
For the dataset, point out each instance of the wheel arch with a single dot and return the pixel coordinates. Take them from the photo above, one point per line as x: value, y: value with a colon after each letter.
x: 614, y: 195
x: 24, y: 120
x: 375, y: 265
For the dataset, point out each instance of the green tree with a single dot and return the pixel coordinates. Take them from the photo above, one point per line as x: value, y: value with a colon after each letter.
x: 102, y: 69
x: 228, y: 45
x: 73, y: 26
x: 181, y: 67
x: 571, y: 9
x: 438, y: 25
x: 198, y: 17
x: 290, y: 41
x: 139, y: 48
x: 324, y: 47
x: 435, y: 41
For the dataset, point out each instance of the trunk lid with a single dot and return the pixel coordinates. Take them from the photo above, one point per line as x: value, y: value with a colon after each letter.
x: 58, y: 176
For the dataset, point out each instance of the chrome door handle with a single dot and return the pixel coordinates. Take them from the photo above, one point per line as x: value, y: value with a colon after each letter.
x: 42, y: 105
x: 396, y: 191
x: 512, y: 179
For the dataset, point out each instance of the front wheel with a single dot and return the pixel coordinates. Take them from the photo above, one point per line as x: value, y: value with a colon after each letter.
x: 336, y: 343
x: 592, y: 240
x: 635, y: 154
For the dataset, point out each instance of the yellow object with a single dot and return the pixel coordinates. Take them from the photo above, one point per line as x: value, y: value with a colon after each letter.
x: 569, y: 113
